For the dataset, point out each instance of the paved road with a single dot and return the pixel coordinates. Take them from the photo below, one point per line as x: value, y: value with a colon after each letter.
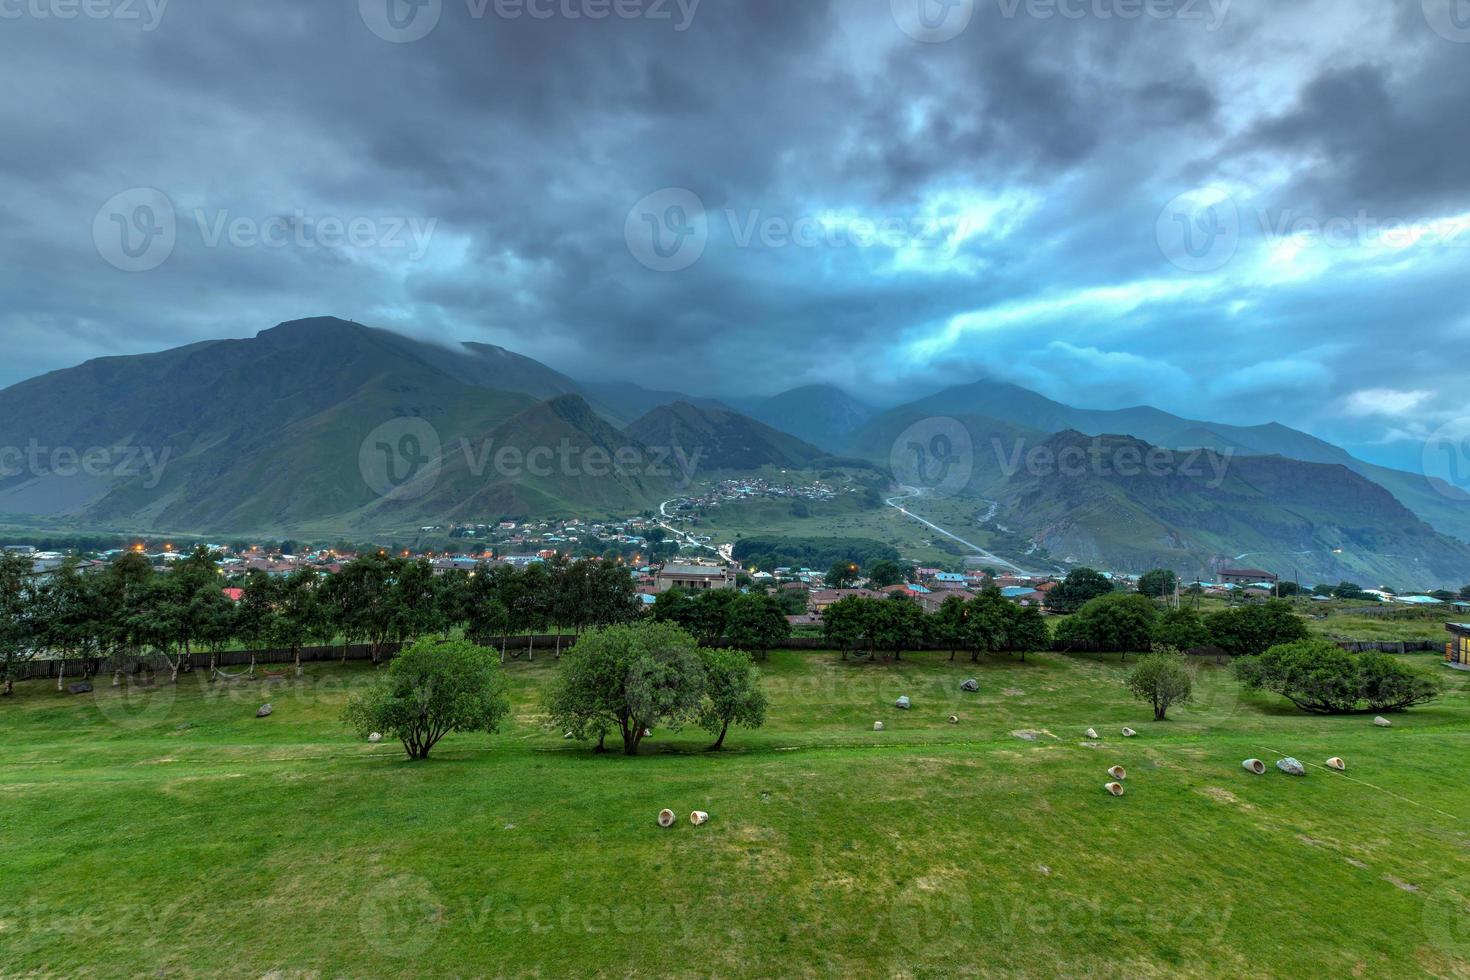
x: 725, y: 551
x: 913, y: 492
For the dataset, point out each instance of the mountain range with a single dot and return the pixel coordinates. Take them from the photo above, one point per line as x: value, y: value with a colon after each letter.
x: 328, y: 425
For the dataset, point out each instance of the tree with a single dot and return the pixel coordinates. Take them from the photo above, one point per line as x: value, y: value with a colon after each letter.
x: 1349, y: 590
x: 756, y: 623
x: 949, y: 625
x: 844, y: 623
x: 1027, y: 630
x: 710, y: 618
x: 303, y: 616
x: 431, y: 690
x: 732, y: 694
x: 884, y: 573
x: 1157, y: 583
x: 1081, y: 586
x: 630, y: 678
x: 1162, y: 678
x: 1117, y: 621
x: 987, y: 622
x: 842, y: 575
x: 16, y: 646
x: 1250, y: 630
x: 896, y: 623
x: 1320, y: 677
x: 1180, y: 628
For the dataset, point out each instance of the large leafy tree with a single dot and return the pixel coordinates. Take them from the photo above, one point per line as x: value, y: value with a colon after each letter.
x: 430, y: 690
x: 1250, y: 630
x: 16, y: 640
x: 756, y: 623
x: 949, y: 625
x: 1320, y: 677
x: 1157, y: 583
x: 1180, y: 628
x: 844, y: 623
x: 732, y: 693
x: 1117, y: 621
x: 628, y: 678
x: 897, y: 624
x: 1080, y: 587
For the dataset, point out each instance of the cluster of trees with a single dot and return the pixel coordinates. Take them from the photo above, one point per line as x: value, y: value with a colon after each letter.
x: 750, y: 620
x: 987, y: 622
x: 1322, y: 678
x: 1123, y: 622
x: 130, y: 608
x: 768, y: 554
x: 634, y: 678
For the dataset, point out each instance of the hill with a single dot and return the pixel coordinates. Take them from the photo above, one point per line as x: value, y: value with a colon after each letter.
x: 823, y: 415
x: 1193, y: 511
x: 721, y: 439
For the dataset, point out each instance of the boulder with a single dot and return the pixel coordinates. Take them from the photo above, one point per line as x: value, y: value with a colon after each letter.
x: 1291, y: 767
x: 877, y: 726
x: 970, y: 685
x: 666, y: 818
x: 1092, y: 733
x: 1336, y: 763
x: 1118, y: 772
x: 902, y: 703
x: 83, y: 688
x: 1115, y: 788
x: 1382, y: 722
x: 1254, y: 765
x: 698, y: 817
x: 263, y: 711
x: 1129, y: 733
x: 375, y: 737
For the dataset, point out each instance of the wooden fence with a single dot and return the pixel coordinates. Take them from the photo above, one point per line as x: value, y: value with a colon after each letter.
x: 44, y: 669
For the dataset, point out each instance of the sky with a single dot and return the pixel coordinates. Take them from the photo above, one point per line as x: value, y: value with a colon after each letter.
x: 1237, y: 211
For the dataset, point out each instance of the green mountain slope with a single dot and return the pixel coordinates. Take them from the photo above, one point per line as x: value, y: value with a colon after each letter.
x: 823, y: 415
x: 1198, y: 511
x: 721, y: 439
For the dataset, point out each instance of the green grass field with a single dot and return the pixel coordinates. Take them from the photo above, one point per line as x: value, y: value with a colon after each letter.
x: 170, y: 832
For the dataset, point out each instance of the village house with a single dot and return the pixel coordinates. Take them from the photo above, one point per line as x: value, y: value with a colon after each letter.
x: 697, y: 578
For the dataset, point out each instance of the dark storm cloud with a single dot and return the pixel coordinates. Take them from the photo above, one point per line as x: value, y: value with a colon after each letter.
x: 1024, y: 164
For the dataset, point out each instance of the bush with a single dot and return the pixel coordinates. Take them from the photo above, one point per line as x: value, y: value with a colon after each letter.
x: 1322, y: 678
x: 1117, y: 621
x: 429, y: 691
x: 1163, y: 679
x: 1251, y: 630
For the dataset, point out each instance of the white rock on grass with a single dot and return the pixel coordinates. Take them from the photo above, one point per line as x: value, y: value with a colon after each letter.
x: 877, y: 726
x: 902, y: 703
x: 1382, y: 722
x: 264, y: 711
x: 1129, y: 733
x: 1291, y: 767
x: 970, y: 685
x: 1092, y: 733
x: 375, y: 737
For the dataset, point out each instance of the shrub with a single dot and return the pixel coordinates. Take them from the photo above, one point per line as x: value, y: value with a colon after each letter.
x: 1163, y: 679
x: 732, y: 694
x: 1320, y: 677
x: 1180, y: 628
x: 429, y: 691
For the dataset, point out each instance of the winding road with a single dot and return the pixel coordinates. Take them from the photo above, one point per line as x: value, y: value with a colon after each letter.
x: 913, y: 492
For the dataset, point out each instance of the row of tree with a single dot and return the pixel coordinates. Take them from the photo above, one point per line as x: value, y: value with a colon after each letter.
x: 1123, y: 622
x: 130, y: 609
x: 986, y: 622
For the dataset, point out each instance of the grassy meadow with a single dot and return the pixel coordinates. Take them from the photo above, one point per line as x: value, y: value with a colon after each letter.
x: 169, y: 832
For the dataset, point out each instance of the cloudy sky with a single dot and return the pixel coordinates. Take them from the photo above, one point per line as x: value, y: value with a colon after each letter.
x: 1244, y: 211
